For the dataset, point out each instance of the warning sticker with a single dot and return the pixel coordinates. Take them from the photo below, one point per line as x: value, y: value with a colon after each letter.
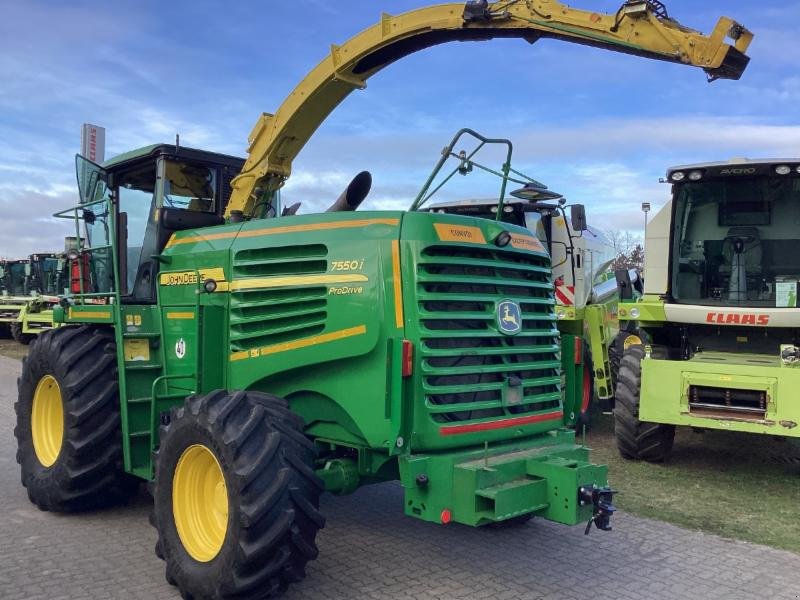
x: 459, y: 233
x: 136, y: 350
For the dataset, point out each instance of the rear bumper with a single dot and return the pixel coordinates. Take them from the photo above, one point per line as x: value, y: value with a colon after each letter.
x: 668, y: 394
x: 540, y: 475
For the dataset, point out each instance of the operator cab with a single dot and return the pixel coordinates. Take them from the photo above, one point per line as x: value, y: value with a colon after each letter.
x: 14, y: 277
x: 156, y: 190
x: 47, y: 273
x: 735, y: 238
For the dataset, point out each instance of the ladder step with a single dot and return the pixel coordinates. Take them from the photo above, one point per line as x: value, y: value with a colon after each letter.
x: 140, y: 400
x: 149, y: 336
x: 174, y: 396
x: 139, y: 434
x: 137, y: 367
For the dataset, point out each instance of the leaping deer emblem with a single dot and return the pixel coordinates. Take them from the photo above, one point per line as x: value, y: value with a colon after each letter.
x: 508, y: 317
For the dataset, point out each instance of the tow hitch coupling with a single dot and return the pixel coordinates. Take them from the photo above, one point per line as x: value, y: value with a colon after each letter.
x: 602, y: 501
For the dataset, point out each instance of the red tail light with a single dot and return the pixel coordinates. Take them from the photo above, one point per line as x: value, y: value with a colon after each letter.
x: 408, y: 358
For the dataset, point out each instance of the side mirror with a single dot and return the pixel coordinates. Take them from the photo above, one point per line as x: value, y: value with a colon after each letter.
x: 2, y: 272
x: 578, y: 217
x: 27, y: 270
x: 624, y: 284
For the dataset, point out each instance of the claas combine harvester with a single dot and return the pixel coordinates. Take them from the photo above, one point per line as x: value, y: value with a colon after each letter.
x: 244, y: 359
x: 713, y: 343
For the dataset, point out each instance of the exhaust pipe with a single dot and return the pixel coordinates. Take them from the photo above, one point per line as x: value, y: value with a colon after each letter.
x: 355, y: 193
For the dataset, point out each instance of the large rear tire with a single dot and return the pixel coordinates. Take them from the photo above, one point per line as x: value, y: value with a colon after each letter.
x: 19, y: 337
x: 236, y: 499
x: 69, y: 442
x: 637, y: 440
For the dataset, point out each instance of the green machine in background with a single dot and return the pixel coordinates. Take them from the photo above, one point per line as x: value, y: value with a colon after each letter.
x: 244, y: 358
x: 13, y: 293
x: 47, y: 279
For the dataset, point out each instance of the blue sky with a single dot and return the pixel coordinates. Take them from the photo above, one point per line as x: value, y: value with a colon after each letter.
x: 597, y: 126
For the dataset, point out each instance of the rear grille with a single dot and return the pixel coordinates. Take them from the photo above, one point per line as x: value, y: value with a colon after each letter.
x: 472, y: 371
x: 719, y: 400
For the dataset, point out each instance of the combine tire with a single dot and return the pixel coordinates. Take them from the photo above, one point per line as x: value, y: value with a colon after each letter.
x: 236, y: 500
x: 637, y: 440
x: 69, y: 444
x: 19, y: 337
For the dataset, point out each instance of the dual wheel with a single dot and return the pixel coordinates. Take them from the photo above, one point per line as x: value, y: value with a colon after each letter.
x: 236, y: 499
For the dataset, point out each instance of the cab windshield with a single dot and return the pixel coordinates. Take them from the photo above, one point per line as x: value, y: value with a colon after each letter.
x: 735, y: 242
x: 50, y: 277
x: 16, y: 281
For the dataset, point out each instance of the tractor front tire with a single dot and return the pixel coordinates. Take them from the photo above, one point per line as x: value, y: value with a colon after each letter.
x: 637, y: 440
x: 236, y: 499
x: 69, y: 442
x: 19, y: 337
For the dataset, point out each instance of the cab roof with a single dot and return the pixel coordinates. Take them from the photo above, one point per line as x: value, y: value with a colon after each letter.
x: 526, y: 205
x: 736, y: 162
x: 155, y: 150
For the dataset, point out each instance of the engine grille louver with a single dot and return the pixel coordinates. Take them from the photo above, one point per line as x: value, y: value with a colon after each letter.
x: 471, y: 370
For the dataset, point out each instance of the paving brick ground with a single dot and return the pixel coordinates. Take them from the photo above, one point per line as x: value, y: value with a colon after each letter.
x: 370, y: 550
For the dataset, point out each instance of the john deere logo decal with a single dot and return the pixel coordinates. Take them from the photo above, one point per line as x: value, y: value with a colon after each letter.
x: 509, y: 317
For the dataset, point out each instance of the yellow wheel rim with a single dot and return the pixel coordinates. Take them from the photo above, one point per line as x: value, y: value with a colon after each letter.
x: 200, y: 503
x: 47, y: 421
x: 631, y: 340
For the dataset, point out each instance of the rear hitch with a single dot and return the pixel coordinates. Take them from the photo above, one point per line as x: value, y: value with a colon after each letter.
x: 602, y: 501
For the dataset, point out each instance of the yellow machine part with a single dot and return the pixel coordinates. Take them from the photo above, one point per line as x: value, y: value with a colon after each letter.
x: 200, y: 503
x: 47, y: 421
x: 638, y: 28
